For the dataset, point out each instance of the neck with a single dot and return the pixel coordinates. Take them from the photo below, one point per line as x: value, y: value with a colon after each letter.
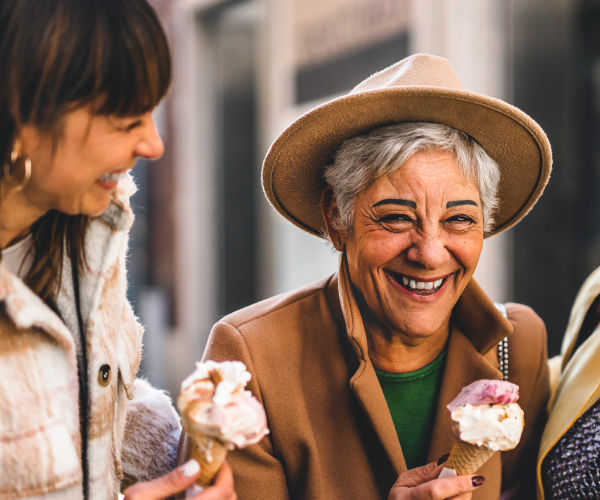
x: 17, y: 216
x: 399, y: 353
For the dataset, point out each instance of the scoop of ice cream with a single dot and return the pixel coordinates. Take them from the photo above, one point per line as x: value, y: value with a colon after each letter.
x: 486, y: 392
x: 497, y: 427
x: 214, y: 403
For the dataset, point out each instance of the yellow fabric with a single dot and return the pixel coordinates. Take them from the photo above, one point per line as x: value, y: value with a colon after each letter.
x: 578, y: 386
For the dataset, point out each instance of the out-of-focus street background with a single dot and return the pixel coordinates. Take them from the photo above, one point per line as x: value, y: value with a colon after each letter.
x: 205, y: 241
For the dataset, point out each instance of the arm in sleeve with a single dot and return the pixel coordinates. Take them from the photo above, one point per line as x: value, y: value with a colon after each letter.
x: 151, y: 438
x: 528, y: 367
x: 257, y: 472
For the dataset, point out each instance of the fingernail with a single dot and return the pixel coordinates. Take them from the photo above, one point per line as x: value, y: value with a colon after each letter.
x: 190, y: 468
x: 477, y: 481
x: 443, y: 458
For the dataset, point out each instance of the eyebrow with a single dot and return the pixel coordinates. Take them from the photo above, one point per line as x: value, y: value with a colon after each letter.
x: 396, y: 201
x: 456, y: 203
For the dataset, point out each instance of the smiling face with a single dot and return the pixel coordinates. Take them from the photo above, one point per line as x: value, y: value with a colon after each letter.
x: 415, y: 241
x: 79, y: 173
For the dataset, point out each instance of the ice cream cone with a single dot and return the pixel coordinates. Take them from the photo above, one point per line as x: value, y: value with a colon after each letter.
x: 210, y: 454
x: 466, y: 458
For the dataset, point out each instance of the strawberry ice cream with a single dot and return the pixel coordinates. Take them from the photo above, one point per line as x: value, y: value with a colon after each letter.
x: 218, y: 413
x: 485, y: 419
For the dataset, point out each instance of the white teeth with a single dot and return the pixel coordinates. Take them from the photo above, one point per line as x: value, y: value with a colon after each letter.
x: 421, y: 285
x: 112, y: 177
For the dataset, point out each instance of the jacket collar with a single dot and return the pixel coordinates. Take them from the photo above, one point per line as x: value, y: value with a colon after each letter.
x: 26, y: 310
x: 479, y: 326
x: 579, y: 386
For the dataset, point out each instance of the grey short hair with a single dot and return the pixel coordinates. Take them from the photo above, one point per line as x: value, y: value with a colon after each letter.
x: 359, y: 161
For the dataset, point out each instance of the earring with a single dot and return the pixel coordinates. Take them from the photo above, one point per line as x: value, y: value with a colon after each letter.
x: 16, y: 158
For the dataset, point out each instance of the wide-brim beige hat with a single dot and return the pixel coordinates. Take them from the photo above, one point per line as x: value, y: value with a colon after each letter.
x: 421, y: 88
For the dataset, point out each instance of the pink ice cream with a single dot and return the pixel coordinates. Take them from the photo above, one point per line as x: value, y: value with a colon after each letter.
x: 485, y: 414
x: 485, y: 391
x: 214, y: 403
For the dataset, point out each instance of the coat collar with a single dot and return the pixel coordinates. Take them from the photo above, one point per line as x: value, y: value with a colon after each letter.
x: 26, y: 310
x: 579, y: 386
x: 479, y: 326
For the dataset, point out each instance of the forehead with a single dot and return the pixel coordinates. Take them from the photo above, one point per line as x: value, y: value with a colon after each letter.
x: 427, y: 171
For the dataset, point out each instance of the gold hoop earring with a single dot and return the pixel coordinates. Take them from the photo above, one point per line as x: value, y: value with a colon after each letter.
x: 15, y: 158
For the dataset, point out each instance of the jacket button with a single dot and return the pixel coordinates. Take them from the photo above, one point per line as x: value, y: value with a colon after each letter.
x: 104, y: 375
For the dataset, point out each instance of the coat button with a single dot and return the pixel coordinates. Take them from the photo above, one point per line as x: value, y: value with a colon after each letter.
x: 104, y: 375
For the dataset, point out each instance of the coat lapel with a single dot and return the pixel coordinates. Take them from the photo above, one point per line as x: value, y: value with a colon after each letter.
x: 588, y: 292
x: 479, y: 326
x: 27, y: 310
x: 579, y: 389
x: 579, y: 386
x: 464, y: 364
x: 364, y: 383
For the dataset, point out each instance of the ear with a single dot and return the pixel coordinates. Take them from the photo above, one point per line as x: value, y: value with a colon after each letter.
x: 331, y: 215
x: 26, y: 139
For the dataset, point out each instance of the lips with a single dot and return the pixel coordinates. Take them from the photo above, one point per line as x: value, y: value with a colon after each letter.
x: 112, y: 177
x: 416, y: 285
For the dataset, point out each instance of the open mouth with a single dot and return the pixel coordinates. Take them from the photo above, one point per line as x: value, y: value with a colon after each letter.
x: 108, y: 178
x: 417, y: 286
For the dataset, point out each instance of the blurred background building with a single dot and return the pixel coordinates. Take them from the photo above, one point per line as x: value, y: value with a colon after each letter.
x: 205, y: 240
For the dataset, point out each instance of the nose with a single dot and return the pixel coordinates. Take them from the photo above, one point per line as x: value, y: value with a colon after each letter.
x: 428, y: 250
x: 150, y: 145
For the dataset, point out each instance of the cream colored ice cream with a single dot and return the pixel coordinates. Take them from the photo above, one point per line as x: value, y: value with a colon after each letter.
x: 497, y: 427
x: 485, y: 419
x: 219, y: 414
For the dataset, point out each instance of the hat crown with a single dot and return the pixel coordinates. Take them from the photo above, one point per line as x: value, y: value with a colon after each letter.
x: 418, y: 70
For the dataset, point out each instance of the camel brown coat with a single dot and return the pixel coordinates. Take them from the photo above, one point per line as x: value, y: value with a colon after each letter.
x: 332, y: 436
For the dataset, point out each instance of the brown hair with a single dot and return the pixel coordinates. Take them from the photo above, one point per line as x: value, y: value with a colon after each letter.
x: 59, y: 55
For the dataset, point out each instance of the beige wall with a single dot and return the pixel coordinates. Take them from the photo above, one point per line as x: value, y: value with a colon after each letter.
x: 327, y: 29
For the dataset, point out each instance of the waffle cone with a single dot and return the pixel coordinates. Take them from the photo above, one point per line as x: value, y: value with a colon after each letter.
x: 210, y: 454
x: 466, y: 458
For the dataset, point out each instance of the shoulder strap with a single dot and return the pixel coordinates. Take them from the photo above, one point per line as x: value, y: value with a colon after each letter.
x: 502, y: 348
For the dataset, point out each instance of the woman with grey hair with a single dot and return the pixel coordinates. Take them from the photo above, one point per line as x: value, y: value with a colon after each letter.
x: 406, y: 175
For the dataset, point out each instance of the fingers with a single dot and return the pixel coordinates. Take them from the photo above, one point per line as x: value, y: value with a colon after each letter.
x: 176, y: 481
x: 418, y: 475
x: 222, y: 489
x: 422, y: 483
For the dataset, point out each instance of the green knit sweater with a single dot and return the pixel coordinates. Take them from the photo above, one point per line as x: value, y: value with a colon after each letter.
x: 412, y: 398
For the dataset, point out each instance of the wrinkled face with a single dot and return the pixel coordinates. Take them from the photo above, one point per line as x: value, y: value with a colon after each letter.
x: 79, y: 173
x: 415, y: 241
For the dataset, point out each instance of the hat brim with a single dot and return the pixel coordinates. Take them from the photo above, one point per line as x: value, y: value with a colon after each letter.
x: 292, y: 173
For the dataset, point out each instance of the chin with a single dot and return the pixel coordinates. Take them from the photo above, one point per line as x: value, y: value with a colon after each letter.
x: 421, y: 329
x: 95, y: 209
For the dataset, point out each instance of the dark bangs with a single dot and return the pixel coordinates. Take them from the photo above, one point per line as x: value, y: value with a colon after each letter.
x: 111, y: 54
x: 133, y: 62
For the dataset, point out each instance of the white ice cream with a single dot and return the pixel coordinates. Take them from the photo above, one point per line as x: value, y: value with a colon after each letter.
x: 214, y: 403
x: 497, y: 427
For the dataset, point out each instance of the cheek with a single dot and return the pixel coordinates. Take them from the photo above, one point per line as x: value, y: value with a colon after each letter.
x: 468, y: 251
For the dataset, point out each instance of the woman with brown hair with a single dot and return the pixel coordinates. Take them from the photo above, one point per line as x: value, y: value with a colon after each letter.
x: 80, y: 81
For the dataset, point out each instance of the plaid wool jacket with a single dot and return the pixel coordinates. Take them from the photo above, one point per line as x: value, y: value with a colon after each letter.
x: 132, y: 429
